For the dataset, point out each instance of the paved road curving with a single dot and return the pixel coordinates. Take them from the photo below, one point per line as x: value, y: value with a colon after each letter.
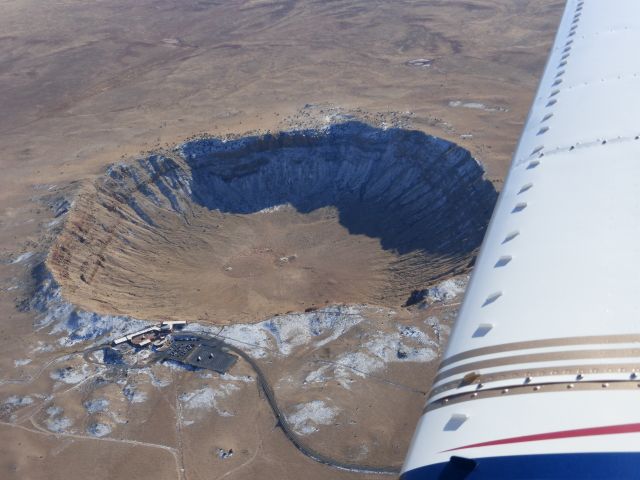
x: 282, y: 422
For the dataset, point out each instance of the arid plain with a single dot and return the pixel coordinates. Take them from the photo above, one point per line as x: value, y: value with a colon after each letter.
x: 86, y: 85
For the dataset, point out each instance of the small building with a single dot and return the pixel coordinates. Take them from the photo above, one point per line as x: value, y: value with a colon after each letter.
x: 120, y: 340
x: 171, y: 325
x: 153, y: 334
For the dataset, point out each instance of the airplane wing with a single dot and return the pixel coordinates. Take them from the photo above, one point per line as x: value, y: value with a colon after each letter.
x: 541, y: 376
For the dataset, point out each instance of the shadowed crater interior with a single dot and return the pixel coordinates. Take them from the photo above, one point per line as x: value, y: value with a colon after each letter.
x: 240, y: 229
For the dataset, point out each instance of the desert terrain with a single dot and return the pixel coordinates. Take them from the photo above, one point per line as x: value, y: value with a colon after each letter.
x: 145, y: 177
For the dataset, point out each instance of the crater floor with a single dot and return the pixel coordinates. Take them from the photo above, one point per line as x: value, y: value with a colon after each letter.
x: 231, y: 231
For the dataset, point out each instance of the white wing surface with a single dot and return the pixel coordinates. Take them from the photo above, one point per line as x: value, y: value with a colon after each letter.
x: 539, y: 377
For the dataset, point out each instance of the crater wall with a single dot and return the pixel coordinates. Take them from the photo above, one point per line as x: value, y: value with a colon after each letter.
x: 236, y: 230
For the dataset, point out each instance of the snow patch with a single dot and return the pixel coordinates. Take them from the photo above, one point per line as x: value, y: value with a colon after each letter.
x: 99, y: 429
x: 275, y: 208
x: 77, y: 325
x: 18, y: 401
x: 446, y: 290
x: 23, y: 257
x: 55, y: 422
x: 174, y: 365
x: 308, y: 416
x: 43, y: 347
x: 159, y: 382
x: 406, y: 344
x: 134, y: 395
x: 285, y: 333
x: 208, y: 398
x: 59, y: 425
x: 237, y: 378
x: 71, y: 375
x: 96, y: 406
x: 53, y: 411
x: 476, y: 106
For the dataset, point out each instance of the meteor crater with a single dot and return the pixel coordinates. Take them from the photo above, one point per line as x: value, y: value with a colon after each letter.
x: 237, y: 230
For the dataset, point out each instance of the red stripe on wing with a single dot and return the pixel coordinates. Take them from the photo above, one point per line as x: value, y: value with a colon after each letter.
x: 580, y: 432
